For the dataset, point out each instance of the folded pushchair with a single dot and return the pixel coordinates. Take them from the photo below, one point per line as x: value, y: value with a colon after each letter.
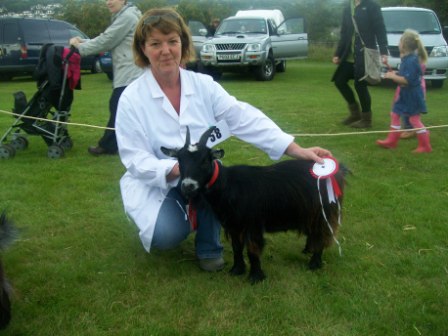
x: 46, y: 114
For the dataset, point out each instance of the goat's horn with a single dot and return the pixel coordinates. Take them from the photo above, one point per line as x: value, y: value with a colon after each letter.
x: 187, y: 139
x: 205, y: 136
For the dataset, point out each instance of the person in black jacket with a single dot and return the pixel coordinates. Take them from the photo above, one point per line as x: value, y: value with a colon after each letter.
x: 349, y: 57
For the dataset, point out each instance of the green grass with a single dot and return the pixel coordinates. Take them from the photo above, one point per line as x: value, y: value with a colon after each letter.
x: 79, y: 268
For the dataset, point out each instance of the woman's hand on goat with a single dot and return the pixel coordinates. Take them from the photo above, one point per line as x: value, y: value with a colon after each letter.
x: 313, y: 153
x: 174, y: 173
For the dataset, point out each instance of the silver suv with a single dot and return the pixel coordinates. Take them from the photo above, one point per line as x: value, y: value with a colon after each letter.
x: 426, y: 23
x: 255, y: 42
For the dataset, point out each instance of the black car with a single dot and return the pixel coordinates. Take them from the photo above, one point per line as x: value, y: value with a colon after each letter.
x: 21, y: 40
x: 106, y: 64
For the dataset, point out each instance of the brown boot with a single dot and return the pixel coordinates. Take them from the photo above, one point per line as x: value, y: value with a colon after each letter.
x: 365, y: 122
x: 355, y: 114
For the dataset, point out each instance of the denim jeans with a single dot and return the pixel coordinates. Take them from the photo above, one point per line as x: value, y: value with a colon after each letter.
x: 173, y: 227
x: 109, y: 141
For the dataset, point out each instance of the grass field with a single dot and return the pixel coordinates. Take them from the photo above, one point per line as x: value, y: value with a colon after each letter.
x: 78, y: 267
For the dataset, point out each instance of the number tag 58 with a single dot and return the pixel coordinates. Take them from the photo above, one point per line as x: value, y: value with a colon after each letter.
x: 219, y: 134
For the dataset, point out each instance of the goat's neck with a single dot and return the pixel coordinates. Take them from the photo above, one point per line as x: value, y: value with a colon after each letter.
x: 215, y: 174
x: 213, y: 191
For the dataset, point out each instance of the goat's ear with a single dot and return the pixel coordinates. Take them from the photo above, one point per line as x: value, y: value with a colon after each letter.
x: 169, y: 152
x: 218, y: 153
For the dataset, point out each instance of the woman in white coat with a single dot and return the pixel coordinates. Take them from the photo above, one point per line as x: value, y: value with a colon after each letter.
x: 155, y: 111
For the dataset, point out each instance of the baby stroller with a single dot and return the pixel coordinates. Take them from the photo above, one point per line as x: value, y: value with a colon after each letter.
x: 46, y: 113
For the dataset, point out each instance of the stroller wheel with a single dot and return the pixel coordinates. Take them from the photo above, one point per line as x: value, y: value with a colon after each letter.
x: 55, y: 152
x: 67, y: 143
x: 7, y: 151
x: 19, y: 142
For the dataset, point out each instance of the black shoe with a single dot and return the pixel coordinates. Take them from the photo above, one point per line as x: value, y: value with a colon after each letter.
x: 97, y: 151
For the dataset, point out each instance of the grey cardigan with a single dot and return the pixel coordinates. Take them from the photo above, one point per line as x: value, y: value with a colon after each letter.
x: 117, y: 39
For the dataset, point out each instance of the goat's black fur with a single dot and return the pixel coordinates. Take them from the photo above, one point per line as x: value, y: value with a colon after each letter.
x: 249, y: 200
x: 7, y: 235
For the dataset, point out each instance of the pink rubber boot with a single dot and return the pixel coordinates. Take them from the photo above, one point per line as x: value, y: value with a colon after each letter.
x: 423, y: 143
x: 391, y: 141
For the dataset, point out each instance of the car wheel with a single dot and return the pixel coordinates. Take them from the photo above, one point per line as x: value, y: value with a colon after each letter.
x: 266, y: 71
x: 211, y: 71
x: 281, y: 67
x: 5, y: 77
x: 96, y: 67
x: 437, y: 84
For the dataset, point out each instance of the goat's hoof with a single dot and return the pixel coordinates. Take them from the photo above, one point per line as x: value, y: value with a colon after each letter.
x: 315, y: 261
x: 315, y: 264
x: 256, y: 277
x: 237, y: 270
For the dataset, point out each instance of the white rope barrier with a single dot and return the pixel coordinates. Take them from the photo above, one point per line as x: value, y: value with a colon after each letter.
x: 295, y: 135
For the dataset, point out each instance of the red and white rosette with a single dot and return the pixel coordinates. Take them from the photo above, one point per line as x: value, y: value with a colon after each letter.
x: 326, y: 171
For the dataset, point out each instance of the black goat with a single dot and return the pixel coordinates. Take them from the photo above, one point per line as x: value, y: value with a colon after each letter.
x: 249, y: 200
x: 7, y: 235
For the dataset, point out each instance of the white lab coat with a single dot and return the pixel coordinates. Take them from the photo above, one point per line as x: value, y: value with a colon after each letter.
x: 146, y: 120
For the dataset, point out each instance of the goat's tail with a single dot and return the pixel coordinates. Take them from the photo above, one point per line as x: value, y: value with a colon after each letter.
x: 8, y: 234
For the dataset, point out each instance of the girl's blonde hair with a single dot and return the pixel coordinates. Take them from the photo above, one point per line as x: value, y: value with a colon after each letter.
x: 411, y: 42
x: 166, y: 20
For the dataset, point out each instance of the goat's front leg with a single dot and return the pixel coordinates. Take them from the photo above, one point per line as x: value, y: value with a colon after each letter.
x: 239, y: 267
x: 254, y: 249
x: 315, y: 244
x: 315, y: 261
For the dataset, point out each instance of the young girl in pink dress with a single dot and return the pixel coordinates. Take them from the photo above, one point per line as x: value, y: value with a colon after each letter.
x: 411, y: 99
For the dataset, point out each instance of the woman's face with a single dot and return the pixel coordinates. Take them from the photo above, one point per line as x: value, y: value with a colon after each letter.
x: 164, y: 52
x: 115, y: 5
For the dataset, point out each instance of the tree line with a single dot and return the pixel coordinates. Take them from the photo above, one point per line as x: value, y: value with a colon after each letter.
x: 322, y: 17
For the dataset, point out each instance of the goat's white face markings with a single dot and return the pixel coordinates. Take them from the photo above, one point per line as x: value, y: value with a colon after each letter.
x: 189, y: 182
x: 192, y: 148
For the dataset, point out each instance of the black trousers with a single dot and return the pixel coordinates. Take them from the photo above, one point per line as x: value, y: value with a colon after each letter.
x: 109, y: 140
x: 346, y: 72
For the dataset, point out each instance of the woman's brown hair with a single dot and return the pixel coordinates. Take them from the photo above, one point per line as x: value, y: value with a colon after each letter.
x: 166, y: 20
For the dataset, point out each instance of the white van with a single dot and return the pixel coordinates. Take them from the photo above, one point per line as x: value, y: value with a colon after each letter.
x: 274, y: 14
x: 426, y: 23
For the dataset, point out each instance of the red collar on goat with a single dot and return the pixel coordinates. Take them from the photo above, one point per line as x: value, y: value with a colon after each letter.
x: 215, y: 174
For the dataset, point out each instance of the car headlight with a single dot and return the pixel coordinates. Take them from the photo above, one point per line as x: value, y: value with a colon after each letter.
x: 254, y: 47
x: 208, y: 48
x: 441, y: 51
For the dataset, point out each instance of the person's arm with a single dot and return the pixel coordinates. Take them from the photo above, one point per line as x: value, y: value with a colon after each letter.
x: 109, y: 39
x: 380, y: 32
x: 253, y: 126
x: 400, y: 80
x: 135, y: 147
x: 174, y: 173
x: 311, y: 153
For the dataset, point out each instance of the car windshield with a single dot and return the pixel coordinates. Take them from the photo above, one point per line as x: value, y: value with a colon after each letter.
x: 242, y: 26
x: 423, y: 22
